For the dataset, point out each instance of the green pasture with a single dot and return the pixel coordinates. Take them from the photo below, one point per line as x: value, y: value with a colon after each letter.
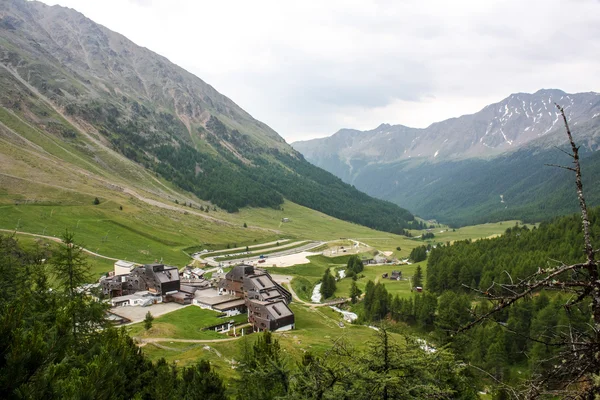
x: 185, y: 323
x: 374, y: 273
x: 137, y: 233
x: 317, y: 329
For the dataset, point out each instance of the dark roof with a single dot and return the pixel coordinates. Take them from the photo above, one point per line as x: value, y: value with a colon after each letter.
x: 239, y: 272
x: 261, y: 282
x: 229, y: 305
x: 167, y: 275
x: 278, y: 309
x: 188, y: 289
x: 155, y: 267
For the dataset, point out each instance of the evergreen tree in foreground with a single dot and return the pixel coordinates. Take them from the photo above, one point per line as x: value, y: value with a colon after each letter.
x: 56, y: 345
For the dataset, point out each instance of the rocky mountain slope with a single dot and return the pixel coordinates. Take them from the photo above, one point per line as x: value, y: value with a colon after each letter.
x: 514, y: 122
x: 445, y: 170
x: 99, y: 98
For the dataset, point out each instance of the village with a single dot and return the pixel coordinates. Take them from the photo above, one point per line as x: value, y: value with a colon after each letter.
x: 241, y: 292
x: 244, y: 289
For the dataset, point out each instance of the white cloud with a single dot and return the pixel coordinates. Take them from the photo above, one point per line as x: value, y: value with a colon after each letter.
x: 309, y: 68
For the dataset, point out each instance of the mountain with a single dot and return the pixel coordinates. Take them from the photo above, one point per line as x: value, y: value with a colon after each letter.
x: 92, y: 92
x: 482, y: 167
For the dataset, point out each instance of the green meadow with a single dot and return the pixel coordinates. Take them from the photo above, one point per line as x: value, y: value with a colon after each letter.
x: 317, y: 329
x: 185, y: 323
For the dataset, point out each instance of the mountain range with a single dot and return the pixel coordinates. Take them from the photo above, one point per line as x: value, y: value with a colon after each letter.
x: 94, y: 100
x: 481, y: 167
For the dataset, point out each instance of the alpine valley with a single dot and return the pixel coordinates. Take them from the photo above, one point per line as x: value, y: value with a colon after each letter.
x: 158, y: 242
x: 476, y: 168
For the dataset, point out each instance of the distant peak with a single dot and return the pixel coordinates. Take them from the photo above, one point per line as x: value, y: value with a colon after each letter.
x: 549, y: 91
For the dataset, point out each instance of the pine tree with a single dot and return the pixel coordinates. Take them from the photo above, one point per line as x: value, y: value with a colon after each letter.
x: 148, y: 321
x: 328, y: 285
x: 355, y: 264
x: 71, y: 271
x: 354, y: 292
x: 417, y: 279
x: 264, y: 371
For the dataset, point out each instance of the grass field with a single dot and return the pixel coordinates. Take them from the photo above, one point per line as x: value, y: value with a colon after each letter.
x: 137, y: 233
x: 316, y: 331
x: 185, y: 323
x: 373, y: 273
x: 470, y: 232
x: 97, y: 265
x: 307, y: 275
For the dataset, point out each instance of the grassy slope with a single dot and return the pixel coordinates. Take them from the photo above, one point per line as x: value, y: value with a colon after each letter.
x: 185, y: 323
x: 316, y: 331
x: 54, y: 181
x: 97, y: 266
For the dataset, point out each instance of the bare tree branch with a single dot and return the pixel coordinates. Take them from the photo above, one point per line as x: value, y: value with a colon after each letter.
x: 561, y: 166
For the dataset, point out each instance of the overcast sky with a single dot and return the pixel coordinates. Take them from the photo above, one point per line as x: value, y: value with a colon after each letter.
x: 308, y: 68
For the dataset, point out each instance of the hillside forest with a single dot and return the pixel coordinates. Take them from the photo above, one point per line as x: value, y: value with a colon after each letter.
x: 520, y: 343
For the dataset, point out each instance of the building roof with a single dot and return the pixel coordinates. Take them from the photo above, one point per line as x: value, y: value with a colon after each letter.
x: 211, y: 297
x: 261, y: 282
x: 278, y: 309
x: 238, y: 272
x: 188, y: 289
x: 124, y: 264
x: 167, y: 275
x: 181, y: 295
x: 270, y: 294
x: 229, y: 304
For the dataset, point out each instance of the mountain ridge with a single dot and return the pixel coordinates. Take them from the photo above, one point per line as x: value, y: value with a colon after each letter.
x: 494, y: 129
x: 83, y: 91
x: 457, y: 183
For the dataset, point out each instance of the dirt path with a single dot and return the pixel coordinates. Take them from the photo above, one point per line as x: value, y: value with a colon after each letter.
x: 145, y: 341
x: 58, y: 240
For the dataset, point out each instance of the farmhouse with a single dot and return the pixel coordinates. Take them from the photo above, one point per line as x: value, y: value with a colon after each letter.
x: 396, y: 275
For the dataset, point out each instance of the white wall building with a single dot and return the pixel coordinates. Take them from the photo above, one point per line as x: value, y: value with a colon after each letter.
x: 123, y: 267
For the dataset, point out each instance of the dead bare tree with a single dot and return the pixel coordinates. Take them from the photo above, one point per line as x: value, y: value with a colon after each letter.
x: 576, y: 372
